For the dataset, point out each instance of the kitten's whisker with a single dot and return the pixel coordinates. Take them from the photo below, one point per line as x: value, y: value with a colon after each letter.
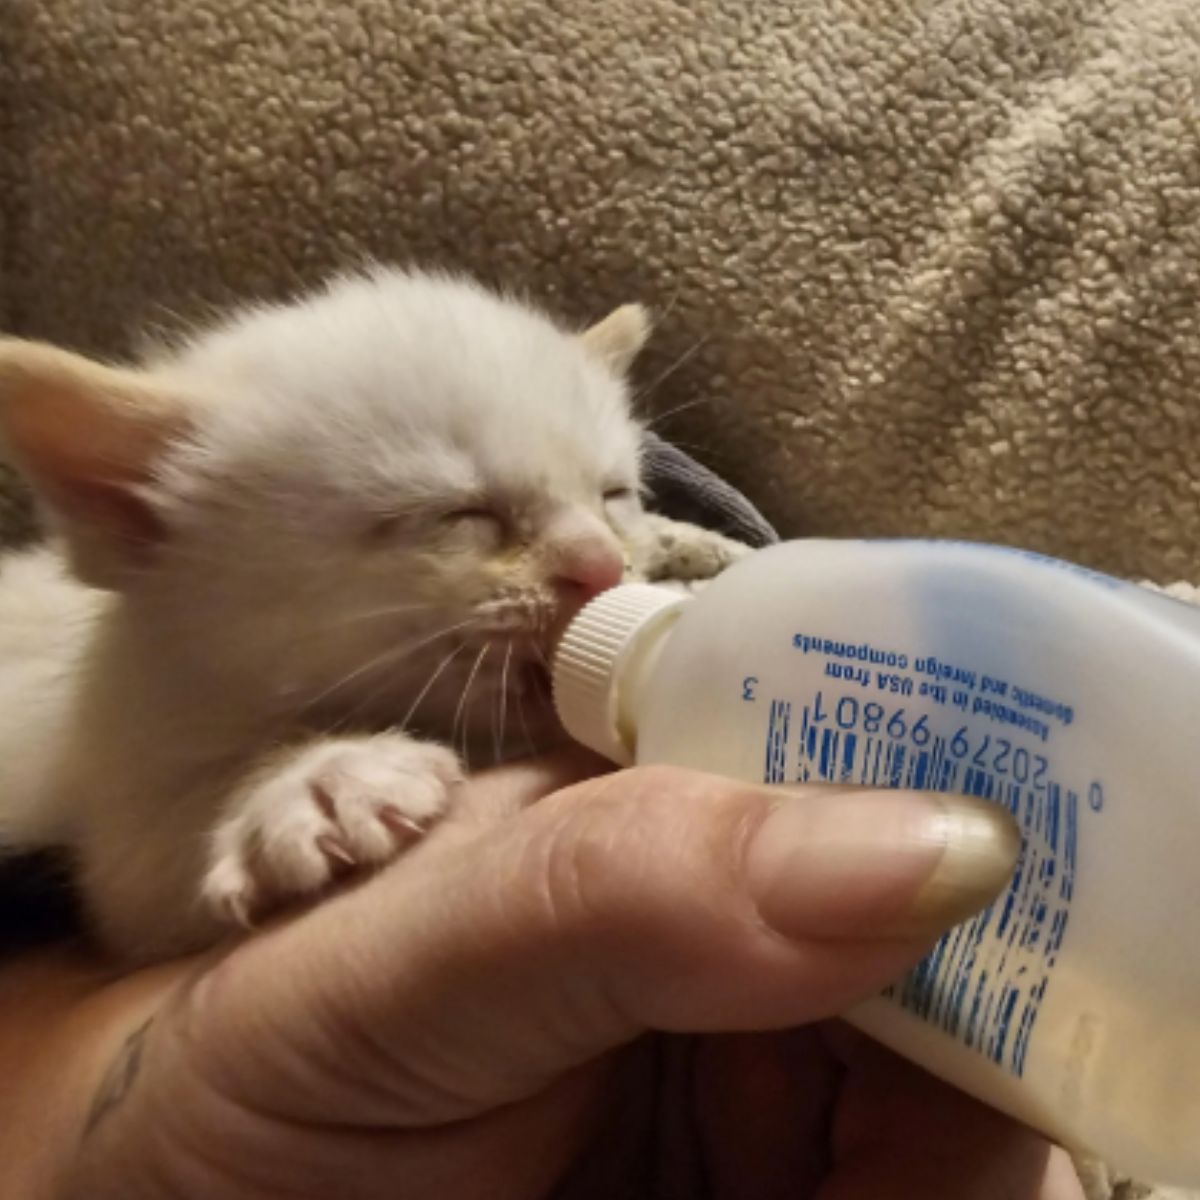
x: 437, y: 674
x: 525, y: 726
x: 661, y: 418
x: 671, y: 368
x: 315, y: 632
x: 503, y: 698
x: 364, y: 704
x: 660, y: 318
x: 495, y: 710
x: 387, y: 656
x: 460, y: 711
x: 391, y: 610
x: 700, y: 448
x: 357, y: 618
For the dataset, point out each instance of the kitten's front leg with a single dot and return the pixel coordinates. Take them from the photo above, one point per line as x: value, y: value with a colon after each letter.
x: 310, y: 814
x: 665, y: 551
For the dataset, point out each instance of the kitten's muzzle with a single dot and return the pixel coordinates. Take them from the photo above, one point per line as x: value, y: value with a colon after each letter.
x: 582, y: 557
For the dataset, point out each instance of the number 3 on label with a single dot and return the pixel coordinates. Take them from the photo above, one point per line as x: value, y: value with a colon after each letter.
x: 748, y: 686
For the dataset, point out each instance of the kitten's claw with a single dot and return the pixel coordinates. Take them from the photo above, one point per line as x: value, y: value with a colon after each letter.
x: 334, y: 849
x: 405, y: 828
x: 320, y: 813
x: 237, y: 910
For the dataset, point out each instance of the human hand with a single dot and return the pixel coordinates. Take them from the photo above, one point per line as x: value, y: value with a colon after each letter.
x: 473, y: 1022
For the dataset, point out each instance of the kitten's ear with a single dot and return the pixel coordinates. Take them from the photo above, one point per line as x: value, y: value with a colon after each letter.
x: 87, y: 436
x: 617, y: 339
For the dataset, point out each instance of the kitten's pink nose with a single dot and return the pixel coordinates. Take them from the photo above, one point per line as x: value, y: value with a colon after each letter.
x: 594, y: 573
x: 585, y: 562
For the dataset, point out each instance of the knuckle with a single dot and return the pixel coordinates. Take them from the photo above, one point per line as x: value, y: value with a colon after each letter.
x: 647, y: 839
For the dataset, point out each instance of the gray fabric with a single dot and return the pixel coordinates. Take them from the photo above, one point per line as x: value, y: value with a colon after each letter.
x: 685, y: 490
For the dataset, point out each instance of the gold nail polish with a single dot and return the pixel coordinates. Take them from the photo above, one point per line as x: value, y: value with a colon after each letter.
x: 981, y: 845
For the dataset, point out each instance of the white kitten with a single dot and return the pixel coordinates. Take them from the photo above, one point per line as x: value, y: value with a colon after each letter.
x: 306, y: 537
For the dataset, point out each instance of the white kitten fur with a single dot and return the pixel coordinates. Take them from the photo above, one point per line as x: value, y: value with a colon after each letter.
x: 321, y: 528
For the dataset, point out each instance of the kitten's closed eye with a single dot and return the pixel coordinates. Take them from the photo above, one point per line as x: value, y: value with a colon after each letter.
x: 476, y: 523
x: 474, y: 512
x: 476, y: 519
x: 621, y: 504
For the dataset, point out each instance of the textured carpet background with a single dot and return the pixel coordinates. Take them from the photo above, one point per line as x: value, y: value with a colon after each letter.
x: 923, y: 267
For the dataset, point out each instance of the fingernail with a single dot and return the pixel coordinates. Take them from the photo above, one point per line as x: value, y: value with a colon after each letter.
x: 878, y: 864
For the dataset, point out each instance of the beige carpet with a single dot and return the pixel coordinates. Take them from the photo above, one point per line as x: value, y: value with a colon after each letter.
x: 922, y: 266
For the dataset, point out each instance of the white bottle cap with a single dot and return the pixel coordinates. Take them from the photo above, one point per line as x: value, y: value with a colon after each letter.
x: 590, y: 656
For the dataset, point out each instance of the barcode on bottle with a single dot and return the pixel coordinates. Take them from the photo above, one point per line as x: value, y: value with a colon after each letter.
x: 985, y: 981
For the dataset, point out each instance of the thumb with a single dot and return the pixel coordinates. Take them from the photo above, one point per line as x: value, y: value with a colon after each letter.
x: 485, y: 967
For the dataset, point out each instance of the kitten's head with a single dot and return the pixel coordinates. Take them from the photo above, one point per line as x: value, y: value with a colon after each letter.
x: 403, y: 481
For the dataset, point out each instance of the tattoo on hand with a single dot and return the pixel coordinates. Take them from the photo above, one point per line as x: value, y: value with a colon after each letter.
x: 119, y: 1078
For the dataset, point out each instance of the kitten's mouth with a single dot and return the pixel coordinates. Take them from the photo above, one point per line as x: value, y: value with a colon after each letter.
x: 505, y: 704
x: 533, y: 681
x: 518, y: 666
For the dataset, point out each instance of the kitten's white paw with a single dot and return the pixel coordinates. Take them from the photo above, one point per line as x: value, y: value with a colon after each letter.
x: 685, y: 587
x: 321, y: 812
x: 666, y: 551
